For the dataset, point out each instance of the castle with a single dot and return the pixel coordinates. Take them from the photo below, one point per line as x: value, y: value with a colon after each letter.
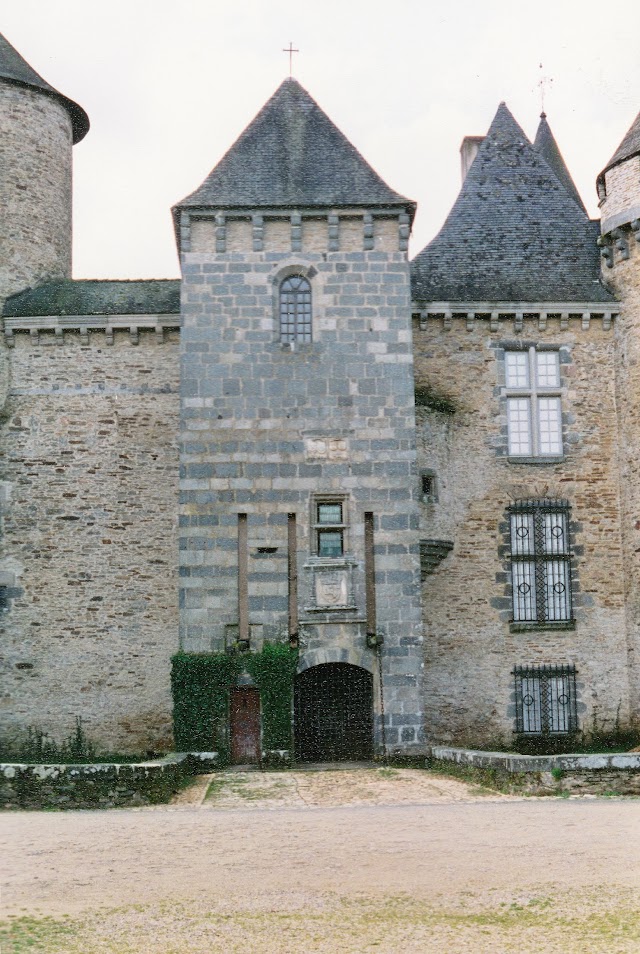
x: 420, y: 476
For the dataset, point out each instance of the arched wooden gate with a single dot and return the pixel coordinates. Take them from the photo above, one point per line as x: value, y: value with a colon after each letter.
x: 333, y: 713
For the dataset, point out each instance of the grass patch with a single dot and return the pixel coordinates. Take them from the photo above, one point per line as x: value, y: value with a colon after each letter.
x: 483, y: 780
x: 600, y: 921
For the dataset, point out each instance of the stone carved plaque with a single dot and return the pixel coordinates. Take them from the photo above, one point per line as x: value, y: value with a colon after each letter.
x: 332, y: 588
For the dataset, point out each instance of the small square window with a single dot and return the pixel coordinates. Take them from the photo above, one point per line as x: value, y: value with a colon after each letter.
x: 330, y: 543
x: 330, y: 513
x: 329, y: 528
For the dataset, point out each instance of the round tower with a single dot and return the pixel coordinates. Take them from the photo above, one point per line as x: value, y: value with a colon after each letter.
x: 619, y: 193
x: 38, y: 126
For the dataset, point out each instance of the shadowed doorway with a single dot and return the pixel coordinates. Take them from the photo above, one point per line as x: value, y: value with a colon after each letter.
x: 333, y: 710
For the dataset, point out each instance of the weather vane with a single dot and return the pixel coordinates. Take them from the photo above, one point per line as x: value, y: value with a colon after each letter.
x: 544, y: 84
x: 290, y: 50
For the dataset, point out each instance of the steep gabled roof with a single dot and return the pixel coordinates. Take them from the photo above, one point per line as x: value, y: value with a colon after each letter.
x: 546, y: 145
x: 96, y: 297
x: 630, y: 146
x: 292, y: 155
x: 514, y: 233
x: 15, y: 69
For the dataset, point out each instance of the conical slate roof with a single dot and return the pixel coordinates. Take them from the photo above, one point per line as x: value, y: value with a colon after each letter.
x: 514, y: 233
x: 546, y: 145
x: 15, y: 69
x: 291, y: 154
x: 630, y: 146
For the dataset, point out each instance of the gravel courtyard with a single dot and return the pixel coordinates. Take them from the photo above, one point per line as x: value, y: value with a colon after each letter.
x: 362, y: 860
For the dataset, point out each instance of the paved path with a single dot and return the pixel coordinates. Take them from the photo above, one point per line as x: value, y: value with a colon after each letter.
x: 461, y: 875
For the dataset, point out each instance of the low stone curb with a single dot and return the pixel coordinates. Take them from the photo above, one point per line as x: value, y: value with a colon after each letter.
x: 100, y: 784
x: 576, y: 774
x: 509, y: 762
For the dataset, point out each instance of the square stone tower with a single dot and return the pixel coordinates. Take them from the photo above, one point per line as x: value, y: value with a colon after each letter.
x: 298, y: 506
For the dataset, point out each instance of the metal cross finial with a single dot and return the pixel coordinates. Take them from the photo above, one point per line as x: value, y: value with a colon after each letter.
x: 290, y: 50
x: 544, y: 84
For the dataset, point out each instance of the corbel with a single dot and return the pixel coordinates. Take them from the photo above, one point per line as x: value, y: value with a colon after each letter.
x: 221, y: 232
x: 606, y: 252
x: 403, y: 231
x: 621, y: 243
x: 367, y: 232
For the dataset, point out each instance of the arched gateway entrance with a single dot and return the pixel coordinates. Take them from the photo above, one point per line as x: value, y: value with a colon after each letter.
x: 333, y: 713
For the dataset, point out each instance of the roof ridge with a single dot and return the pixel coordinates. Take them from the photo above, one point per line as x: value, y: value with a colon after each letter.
x: 292, y: 154
x: 629, y: 147
x: 514, y: 233
x: 545, y: 144
x: 15, y: 69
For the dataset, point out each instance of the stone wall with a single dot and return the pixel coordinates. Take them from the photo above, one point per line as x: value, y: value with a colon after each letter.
x: 622, y: 202
x: 625, y: 276
x: 267, y: 426
x: 89, y: 550
x: 102, y: 785
x: 35, y: 189
x: 470, y: 649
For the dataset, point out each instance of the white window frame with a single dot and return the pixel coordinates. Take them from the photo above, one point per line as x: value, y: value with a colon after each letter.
x: 531, y: 402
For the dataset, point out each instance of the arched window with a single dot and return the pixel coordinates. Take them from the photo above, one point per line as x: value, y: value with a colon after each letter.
x: 295, y: 309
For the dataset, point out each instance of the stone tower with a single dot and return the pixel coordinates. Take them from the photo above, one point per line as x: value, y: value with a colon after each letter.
x: 298, y: 423
x: 38, y: 127
x: 619, y: 193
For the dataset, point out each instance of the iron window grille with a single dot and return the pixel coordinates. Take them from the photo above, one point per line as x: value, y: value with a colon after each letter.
x: 295, y: 310
x: 546, y: 700
x: 540, y: 562
x: 534, y: 411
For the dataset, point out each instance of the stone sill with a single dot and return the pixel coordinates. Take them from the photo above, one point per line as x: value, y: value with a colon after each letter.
x: 567, y: 624
x: 331, y: 609
x: 537, y: 461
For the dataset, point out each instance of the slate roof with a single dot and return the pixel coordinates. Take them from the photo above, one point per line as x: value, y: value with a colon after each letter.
x: 15, y: 69
x: 546, y: 145
x: 514, y: 234
x: 292, y: 155
x: 92, y: 297
x: 630, y: 146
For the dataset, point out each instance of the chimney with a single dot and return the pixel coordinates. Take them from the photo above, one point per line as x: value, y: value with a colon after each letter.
x: 468, y: 152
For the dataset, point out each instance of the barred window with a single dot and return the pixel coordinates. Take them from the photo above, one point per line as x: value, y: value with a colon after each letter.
x: 545, y: 700
x: 540, y: 561
x: 534, y: 411
x: 295, y: 309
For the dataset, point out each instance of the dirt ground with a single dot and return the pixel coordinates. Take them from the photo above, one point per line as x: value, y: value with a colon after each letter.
x: 359, y: 860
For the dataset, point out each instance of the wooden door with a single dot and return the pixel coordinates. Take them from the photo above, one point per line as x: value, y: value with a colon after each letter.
x: 245, y: 725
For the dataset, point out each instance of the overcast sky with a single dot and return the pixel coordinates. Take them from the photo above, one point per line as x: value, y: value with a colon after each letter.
x: 169, y: 86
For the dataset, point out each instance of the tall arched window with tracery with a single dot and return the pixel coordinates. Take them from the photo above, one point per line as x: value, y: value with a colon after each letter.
x: 295, y: 309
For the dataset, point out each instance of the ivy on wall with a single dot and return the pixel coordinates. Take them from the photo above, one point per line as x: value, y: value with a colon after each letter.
x: 200, y: 684
x: 273, y: 671
x: 200, y: 687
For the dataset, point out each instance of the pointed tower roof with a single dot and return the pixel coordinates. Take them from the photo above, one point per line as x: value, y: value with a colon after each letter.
x: 15, y: 69
x: 546, y: 145
x: 630, y: 146
x: 291, y: 154
x: 514, y: 233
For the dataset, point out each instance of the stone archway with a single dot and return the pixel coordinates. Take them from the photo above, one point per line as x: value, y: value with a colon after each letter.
x: 333, y: 713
